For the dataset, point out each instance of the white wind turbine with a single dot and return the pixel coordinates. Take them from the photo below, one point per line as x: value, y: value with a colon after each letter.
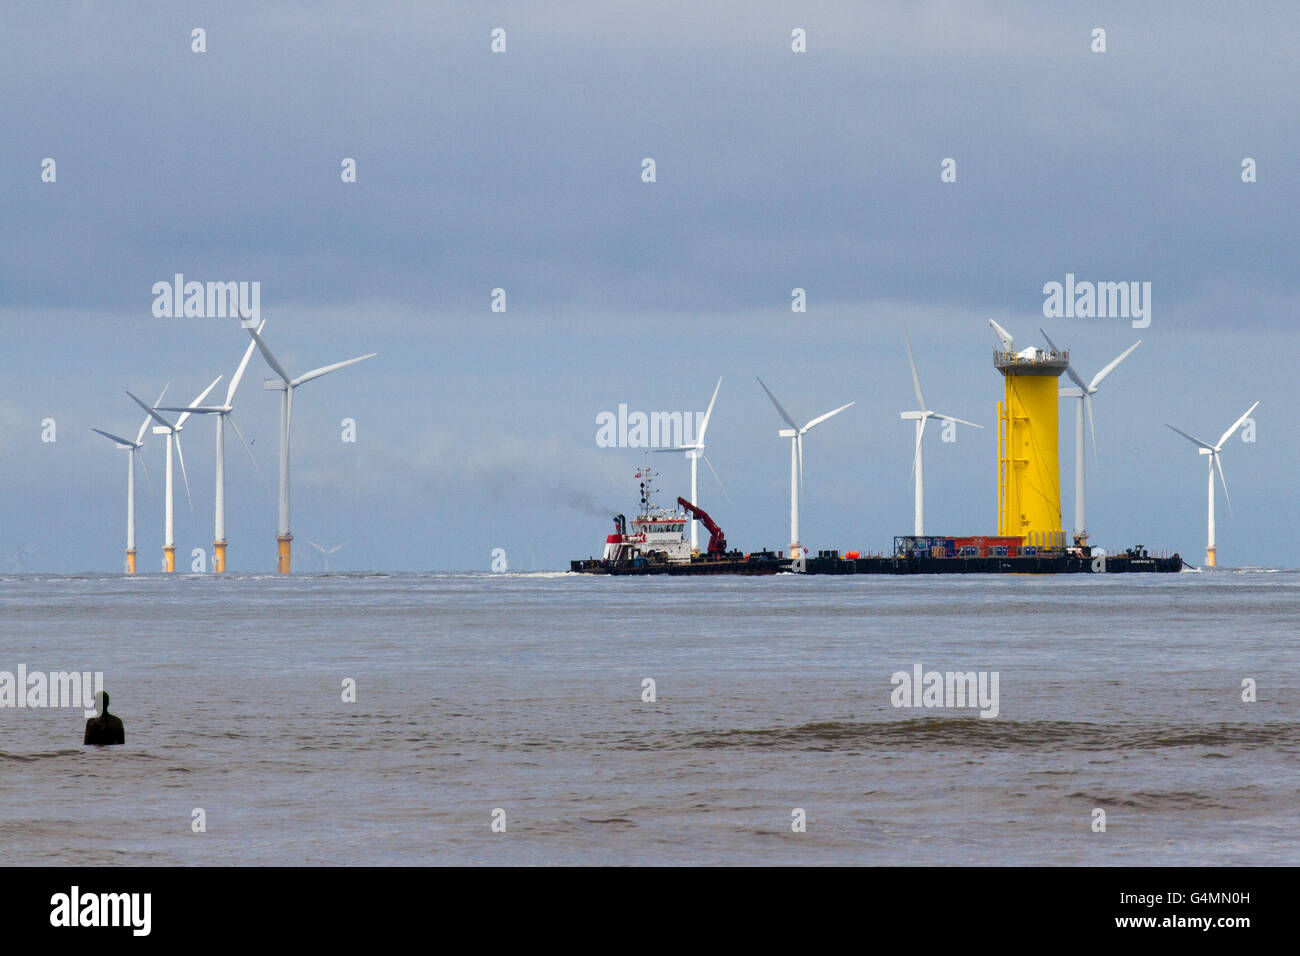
x: 1084, y: 392
x: 286, y: 386
x: 795, y: 434
x: 694, y: 452
x: 173, y: 433
x: 325, y: 552
x: 133, y: 446
x: 922, y: 415
x: 223, y: 412
x: 1205, y: 448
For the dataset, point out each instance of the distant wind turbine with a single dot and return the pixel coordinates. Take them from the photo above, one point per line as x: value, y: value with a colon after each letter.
x: 1084, y: 392
x: 325, y: 552
x: 694, y: 452
x: 173, y: 433
x: 921, y: 416
x: 223, y: 412
x: 1205, y: 448
x: 133, y: 446
x: 795, y: 433
x: 286, y: 386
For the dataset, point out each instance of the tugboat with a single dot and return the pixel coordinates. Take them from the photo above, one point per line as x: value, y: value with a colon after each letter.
x: 657, y: 544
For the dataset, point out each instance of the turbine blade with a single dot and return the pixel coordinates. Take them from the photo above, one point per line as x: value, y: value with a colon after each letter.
x: 326, y: 369
x: 798, y: 440
x: 1100, y: 376
x: 1092, y: 425
x: 821, y: 418
x: 235, y: 426
x: 1223, y: 481
x: 276, y: 367
x: 1069, y: 369
x: 916, y: 453
x: 718, y: 480
x: 144, y: 425
x: 784, y: 414
x: 704, y: 425
x: 1235, y: 425
x: 124, y: 442
x: 180, y: 456
x: 243, y: 365
x: 916, y: 379
x: 315, y: 545
x: 153, y: 414
x: 197, y: 401
x: 953, y: 418
x: 147, y: 479
x: 1191, y: 438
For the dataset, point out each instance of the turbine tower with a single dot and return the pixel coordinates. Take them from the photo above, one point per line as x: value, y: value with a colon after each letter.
x: 1205, y: 448
x: 173, y: 433
x: 694, y: 452
x: 133, y: 446
x: 921, y: 416
x: 1084, y: 392
x: 795, y: 434
x: 222, y: 412
x: 1029, y: 475
x: 286, y: 386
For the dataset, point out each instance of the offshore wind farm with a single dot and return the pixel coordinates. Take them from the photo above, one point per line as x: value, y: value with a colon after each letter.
x: 1012, y: 286
x: 171, y: 430
x: 1030, y: 538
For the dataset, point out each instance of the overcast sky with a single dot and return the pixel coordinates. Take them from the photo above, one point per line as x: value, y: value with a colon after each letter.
x: 522, y: 170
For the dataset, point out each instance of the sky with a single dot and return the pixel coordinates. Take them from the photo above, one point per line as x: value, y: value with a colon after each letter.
x: 523, y: 170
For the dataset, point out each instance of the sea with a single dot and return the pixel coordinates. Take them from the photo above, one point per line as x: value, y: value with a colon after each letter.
x: 559, y: 719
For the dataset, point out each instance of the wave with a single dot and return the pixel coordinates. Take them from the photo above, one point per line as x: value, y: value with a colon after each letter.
x: 971, y: 732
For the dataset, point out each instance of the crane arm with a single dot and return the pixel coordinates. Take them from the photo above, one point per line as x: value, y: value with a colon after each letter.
x: 717, y: 540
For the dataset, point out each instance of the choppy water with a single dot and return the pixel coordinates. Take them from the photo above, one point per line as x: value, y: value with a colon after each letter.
x: 524, y: 692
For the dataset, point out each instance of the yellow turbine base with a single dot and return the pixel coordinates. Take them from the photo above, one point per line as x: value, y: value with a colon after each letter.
x: 1211, y: 557
x: 130, y: 562
x: 218, y: 557
x: 169, y: 559
x: 284, y: 552
x: 1029, y: 484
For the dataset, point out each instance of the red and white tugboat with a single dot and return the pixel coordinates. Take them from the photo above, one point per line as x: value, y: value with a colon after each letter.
x: 656, y: 543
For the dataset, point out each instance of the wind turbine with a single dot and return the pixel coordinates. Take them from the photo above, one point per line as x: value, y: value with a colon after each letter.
x: 694, y: 452
x: 922, y: 415
x: 1084, y: 392
x: 133, y: 446
x: 1205, y: 448
x: 286, y: 385
x: 173, y: 433
x: 795, y: 434
x: 222, y: 412
x: 325, y: 552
